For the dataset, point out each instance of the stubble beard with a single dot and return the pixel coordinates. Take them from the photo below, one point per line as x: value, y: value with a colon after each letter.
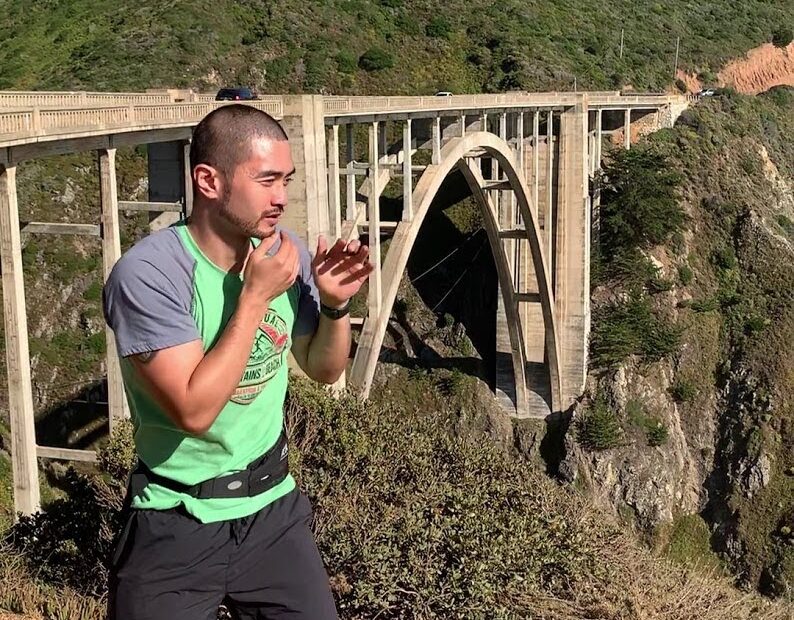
x: 246, y: 227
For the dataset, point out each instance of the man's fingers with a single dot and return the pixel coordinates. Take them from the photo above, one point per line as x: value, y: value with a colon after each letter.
x: 353, y: 246
x: 322, y: 248
x: 358, y: 275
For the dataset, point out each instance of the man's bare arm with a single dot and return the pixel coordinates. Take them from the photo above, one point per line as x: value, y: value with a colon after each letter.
x: 193, y: 387
x: 323, y: 355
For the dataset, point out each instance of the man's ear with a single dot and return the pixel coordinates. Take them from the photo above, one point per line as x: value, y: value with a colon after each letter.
x: 209, y: 181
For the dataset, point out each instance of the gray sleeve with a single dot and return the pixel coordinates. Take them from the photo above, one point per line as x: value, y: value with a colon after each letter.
x: 308, y: 315
x: 146, y: 309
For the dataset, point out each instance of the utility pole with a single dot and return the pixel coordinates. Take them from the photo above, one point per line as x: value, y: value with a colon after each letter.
x: 675, y: 67
x: 621, y: 43
x: 574, y: 83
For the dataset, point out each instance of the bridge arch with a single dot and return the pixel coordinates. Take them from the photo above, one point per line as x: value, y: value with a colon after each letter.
x: 463, y: 153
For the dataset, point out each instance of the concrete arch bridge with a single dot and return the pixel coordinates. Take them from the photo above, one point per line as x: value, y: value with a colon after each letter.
x: 526, y: 157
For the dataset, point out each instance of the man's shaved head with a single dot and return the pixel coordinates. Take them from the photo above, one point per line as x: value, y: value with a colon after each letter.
x: 223, y: 138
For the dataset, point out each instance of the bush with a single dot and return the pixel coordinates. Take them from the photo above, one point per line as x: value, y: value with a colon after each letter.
x: 599, y: 428
x: 685, y: 274
x: 376, y: 59
x: 438, y: 28
x: 683, y: 391
x: 346, y: 62
x: 782, y: 36
x: 400, y: 513
x: 70, y: 543
x: 629, y: 328
x: 656, y: 433
x: 655, y: 430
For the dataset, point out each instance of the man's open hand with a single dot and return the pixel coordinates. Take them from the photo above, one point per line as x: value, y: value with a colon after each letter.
x: 339, y: 271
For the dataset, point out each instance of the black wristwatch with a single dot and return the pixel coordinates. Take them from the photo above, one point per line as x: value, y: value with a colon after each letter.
x: 335, y: 313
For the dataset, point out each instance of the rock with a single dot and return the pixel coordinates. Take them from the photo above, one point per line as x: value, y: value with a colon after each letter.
x: 757, y: 475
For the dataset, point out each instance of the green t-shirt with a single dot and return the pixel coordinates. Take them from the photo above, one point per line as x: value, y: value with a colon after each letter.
x: 163, y: 292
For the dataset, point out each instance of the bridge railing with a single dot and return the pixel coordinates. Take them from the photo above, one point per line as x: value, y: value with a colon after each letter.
x: 44, y: 122
x: 54, y: 99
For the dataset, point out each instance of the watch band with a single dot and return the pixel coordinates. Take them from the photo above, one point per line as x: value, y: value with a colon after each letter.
x: 335, y: 313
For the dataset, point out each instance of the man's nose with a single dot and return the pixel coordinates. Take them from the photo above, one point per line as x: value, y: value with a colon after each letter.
x: 279, y: 196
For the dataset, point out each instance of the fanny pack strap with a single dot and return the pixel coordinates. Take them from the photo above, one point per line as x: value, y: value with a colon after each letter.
x: 261, y: 475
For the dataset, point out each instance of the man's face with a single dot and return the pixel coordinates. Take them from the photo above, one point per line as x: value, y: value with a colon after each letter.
x: 256, y: 196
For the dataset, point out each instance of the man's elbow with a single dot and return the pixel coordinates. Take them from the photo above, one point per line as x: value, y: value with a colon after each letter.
x: 326, y: 375
x: 193, y: 423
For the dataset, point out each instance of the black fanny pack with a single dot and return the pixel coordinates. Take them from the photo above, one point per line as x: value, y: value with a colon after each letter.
x: 261, y: 475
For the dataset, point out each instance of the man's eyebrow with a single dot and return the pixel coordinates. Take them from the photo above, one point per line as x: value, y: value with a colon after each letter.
x: 272, y: 173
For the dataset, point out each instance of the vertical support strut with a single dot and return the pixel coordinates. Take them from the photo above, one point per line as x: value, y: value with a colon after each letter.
x: 20, y: 389
x: 111, y: 252
x: 334, y: 193
x: 408, y: 204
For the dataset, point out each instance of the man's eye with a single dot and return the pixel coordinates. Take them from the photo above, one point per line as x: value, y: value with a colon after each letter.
x: 288, y: 180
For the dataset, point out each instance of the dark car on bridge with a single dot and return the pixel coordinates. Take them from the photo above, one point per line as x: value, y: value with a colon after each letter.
x: 235, y: 94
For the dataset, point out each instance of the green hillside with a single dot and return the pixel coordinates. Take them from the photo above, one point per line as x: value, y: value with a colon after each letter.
x: 414, y: 46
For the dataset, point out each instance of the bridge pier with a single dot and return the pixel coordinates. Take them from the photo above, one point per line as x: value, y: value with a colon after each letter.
x: 572, y: 250
x: 307, y: 212
x: 20, y: 389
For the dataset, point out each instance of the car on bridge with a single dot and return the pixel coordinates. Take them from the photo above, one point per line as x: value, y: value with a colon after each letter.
x: 235, y: 94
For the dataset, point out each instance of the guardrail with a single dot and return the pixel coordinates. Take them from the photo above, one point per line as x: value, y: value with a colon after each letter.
x: 58, y: 99
x: 46, y: 122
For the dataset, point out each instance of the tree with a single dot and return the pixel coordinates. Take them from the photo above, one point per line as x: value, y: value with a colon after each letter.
x: 639, y: 201
x: 782, y: 37
x: 375, y: 59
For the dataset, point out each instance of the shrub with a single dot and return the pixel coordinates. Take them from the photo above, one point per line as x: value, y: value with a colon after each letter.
x: 438, y: 28
x: 683, y: 391
x: 655, y: 430
x: 69, y: 544
x: 599, y: 428
x: 782, y: 36
x: 685, y: 274
x: 376, y: 59
x: 656, y: 433
x: 681, y: 85
x: 400, y: 513
x: 346, y: 62
x: 629, y: 328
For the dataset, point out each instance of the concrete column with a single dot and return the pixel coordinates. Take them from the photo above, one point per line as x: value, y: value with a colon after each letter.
x: 307, y: 211
x: 111, y: 252
x: 548, y: 219
x: 572, y: 265
x: 187, y: 172
x: 373, y: 216
x: 536, y: 160
x: 350, y: 206
x: 436, y: 141
x: 20, y: 389
x: 408, y: 187
x: 334, y: 191
x: 599, y: 136
x: 627, y: 129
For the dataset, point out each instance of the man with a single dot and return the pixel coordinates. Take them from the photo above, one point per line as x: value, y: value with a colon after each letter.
x: 203, y: 314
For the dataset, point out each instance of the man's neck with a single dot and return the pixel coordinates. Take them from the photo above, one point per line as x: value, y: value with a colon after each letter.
x: 221, y: 245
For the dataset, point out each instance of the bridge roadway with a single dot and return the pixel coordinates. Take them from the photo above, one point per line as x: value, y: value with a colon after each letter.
x: 526, y: 157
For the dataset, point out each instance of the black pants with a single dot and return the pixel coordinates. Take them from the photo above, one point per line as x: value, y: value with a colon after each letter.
x: 168, y: 566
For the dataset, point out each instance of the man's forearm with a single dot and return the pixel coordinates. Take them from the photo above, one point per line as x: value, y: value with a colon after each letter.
x: 218, y: 374
x: 329, y: 349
